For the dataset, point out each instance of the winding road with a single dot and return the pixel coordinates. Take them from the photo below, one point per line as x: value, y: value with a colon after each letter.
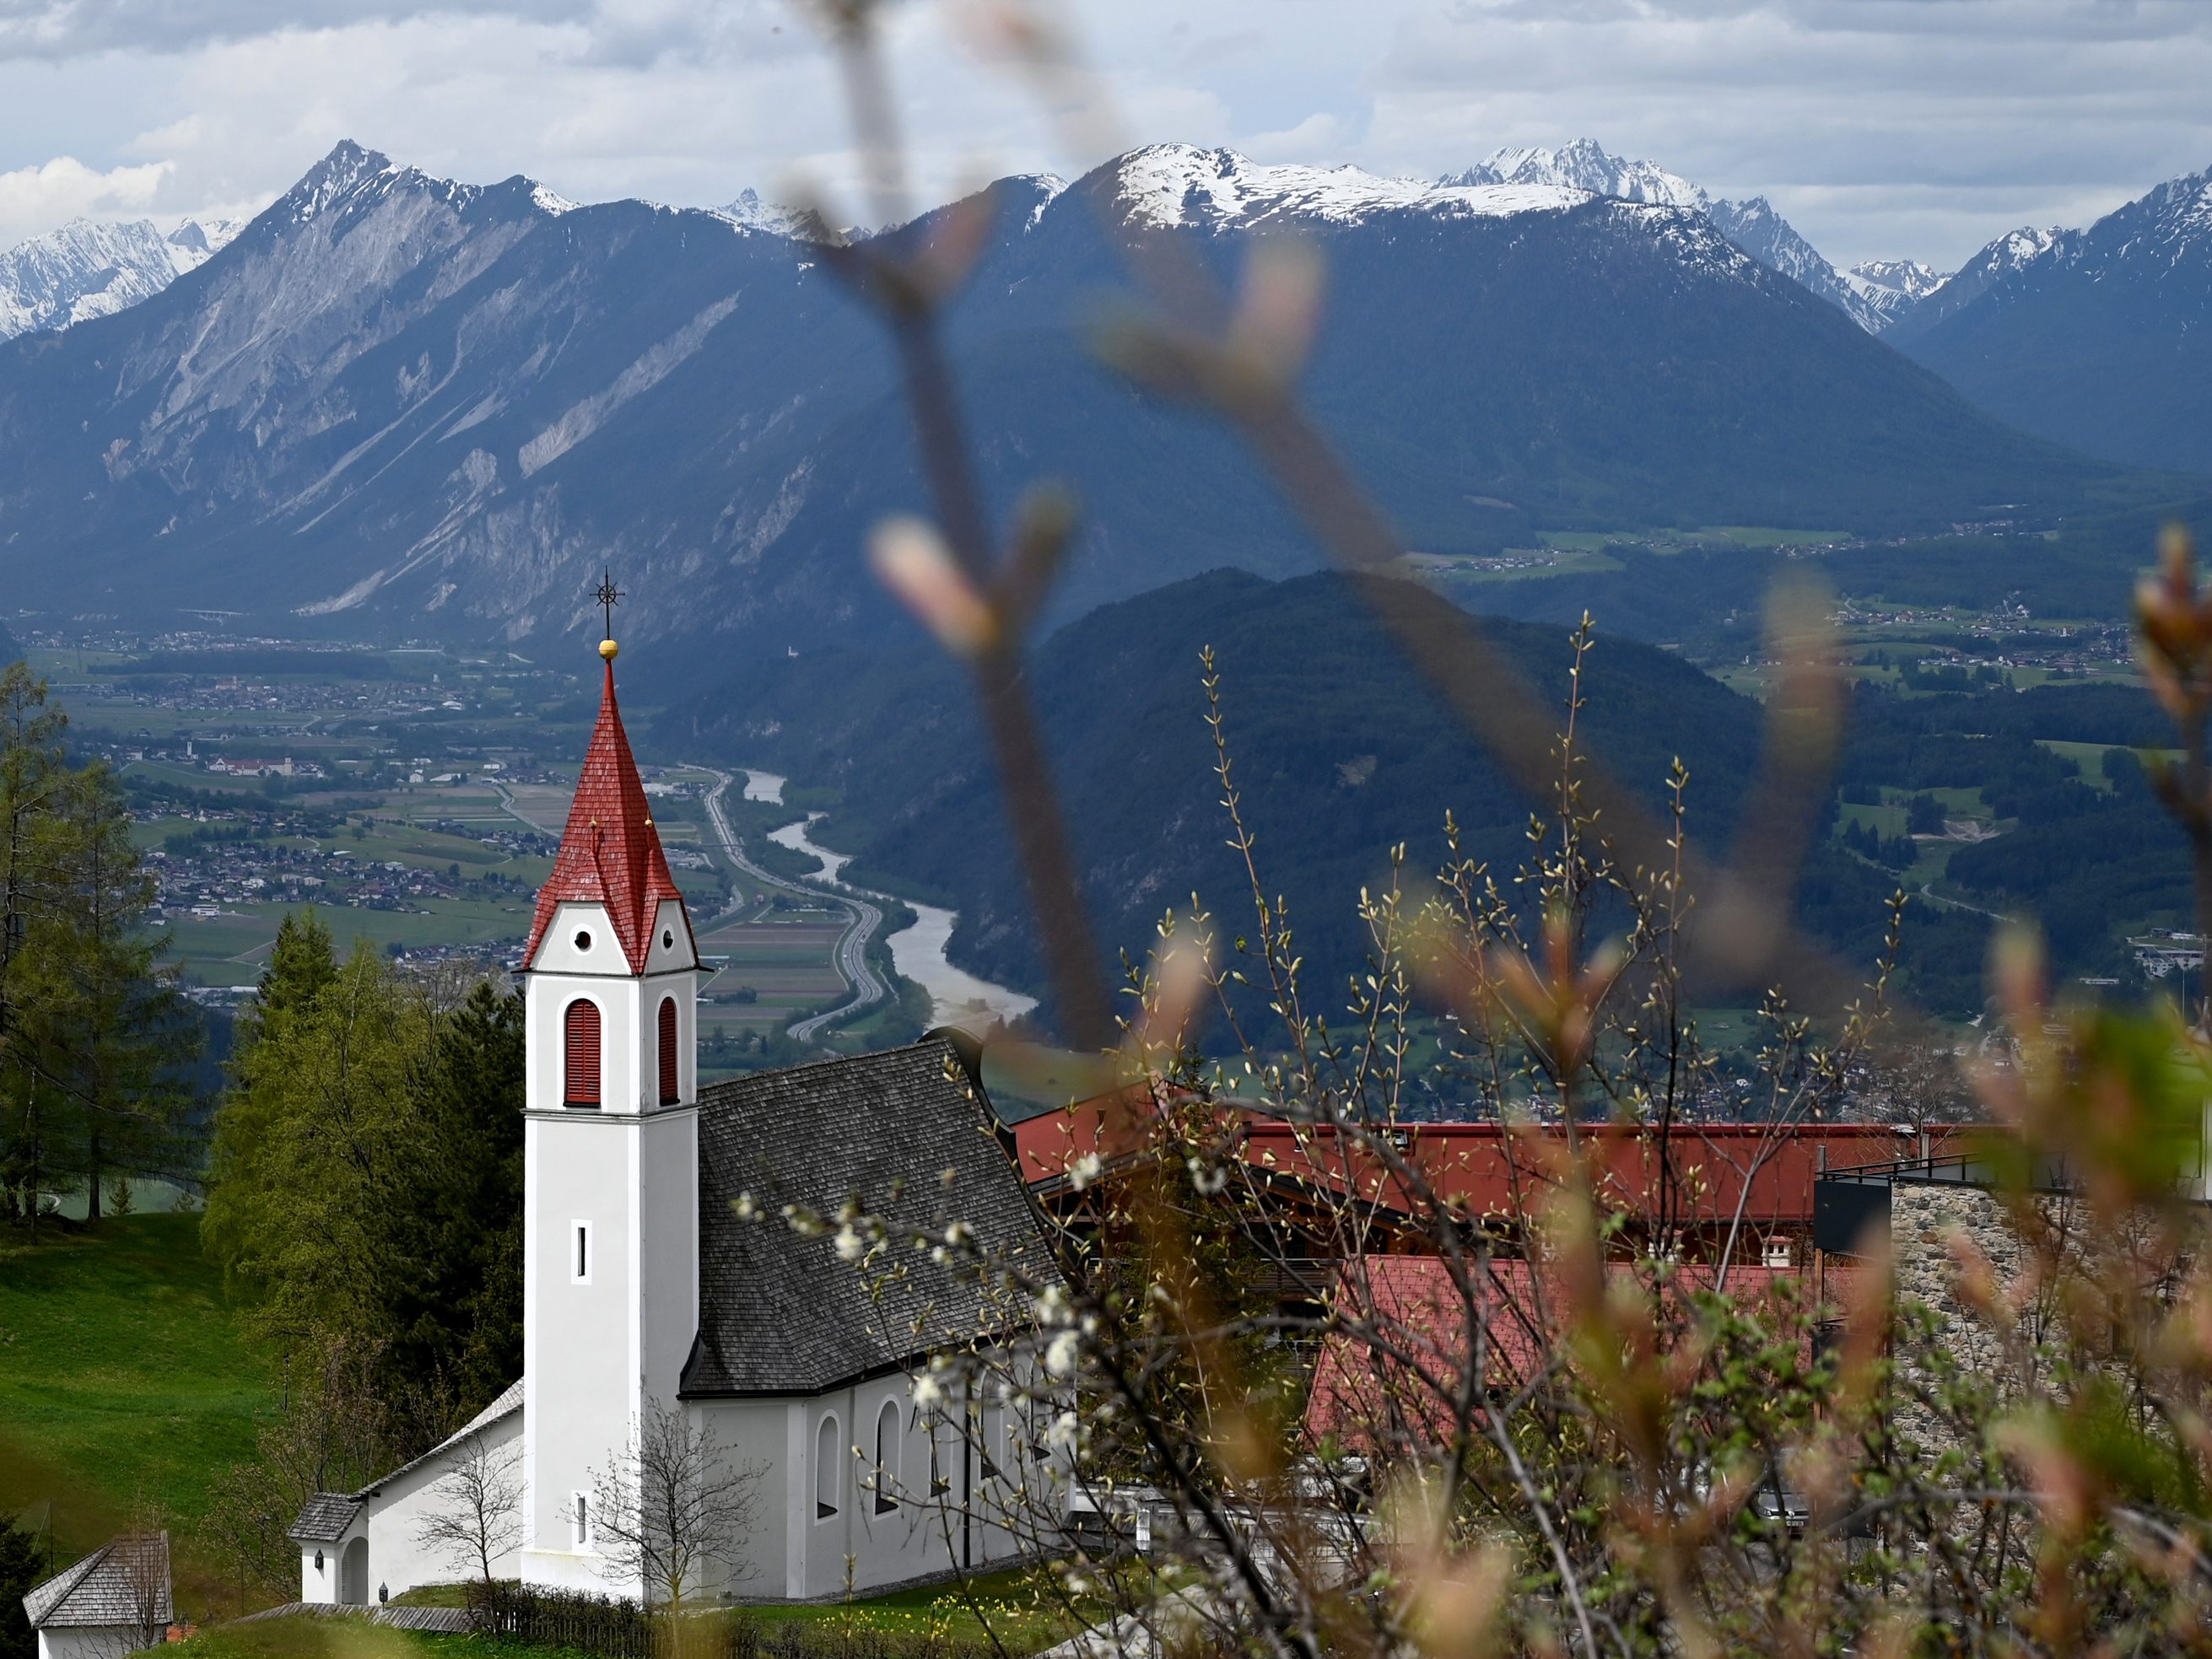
x: 851, y: 953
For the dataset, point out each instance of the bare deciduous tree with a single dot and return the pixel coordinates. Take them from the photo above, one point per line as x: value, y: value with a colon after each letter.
x: 672, y: 1503
x: 142, y: 1561
x: 479, y: 1513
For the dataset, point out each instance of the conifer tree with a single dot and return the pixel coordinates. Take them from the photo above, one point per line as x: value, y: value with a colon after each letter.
x: 32, y: 774
x: 365, y: 1184
x: 119, y: 1034
x: 18, y: 1572
x: 92, y: 1036
x: 458, y: 1312
x: 240, y: 1173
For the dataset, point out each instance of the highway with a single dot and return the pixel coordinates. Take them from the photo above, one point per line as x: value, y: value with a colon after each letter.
x: 851, y: 953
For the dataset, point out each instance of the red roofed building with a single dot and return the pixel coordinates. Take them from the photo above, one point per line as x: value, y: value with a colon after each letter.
x: 1746, y: 1190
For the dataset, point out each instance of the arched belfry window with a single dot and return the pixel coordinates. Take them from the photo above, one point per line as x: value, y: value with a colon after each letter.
x: 672, y: 1086
x: 580, y: 1032
x: 887, y: 1457
x: 827, y: 1460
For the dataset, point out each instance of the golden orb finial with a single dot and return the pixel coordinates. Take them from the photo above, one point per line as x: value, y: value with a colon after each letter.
x: 607, y: 649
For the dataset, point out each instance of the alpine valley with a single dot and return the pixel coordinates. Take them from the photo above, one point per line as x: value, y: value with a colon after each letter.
x: 396, y: 409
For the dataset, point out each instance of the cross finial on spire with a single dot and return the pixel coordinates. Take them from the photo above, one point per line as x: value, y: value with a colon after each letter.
x: 609, y: 597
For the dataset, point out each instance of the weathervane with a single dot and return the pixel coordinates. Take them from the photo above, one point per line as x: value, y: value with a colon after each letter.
x: 609, y: 597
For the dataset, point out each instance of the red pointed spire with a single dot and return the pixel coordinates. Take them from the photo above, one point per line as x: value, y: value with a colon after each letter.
x: 611, y: 853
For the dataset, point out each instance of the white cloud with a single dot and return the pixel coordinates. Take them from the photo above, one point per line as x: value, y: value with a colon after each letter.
x: 37, y: 198
x: 1917, y: 127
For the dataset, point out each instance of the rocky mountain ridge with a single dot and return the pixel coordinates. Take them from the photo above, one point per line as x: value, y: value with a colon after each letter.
x: 2101, y: 338
x: 401, y: 402
x: 88, y: 269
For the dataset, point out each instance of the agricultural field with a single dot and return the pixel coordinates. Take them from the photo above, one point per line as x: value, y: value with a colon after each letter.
x: 416, y: 798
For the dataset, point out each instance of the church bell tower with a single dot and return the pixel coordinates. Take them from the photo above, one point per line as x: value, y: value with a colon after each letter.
x: 611, y: 1148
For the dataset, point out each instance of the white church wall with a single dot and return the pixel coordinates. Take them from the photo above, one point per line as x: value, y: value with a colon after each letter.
x: 680, y: 951
x: 667, y: 1245
x: 919, y: 1531
x: 580, y: 1384
x: 319, y: 1573
x: 88, y: 1641
x: 397, y: 1560
x: 545, y: 1003
x: 559, y: 953
x: 753, y: 1431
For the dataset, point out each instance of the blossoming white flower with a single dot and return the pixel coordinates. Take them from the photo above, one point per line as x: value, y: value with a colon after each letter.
x: 1064, y: 1434
x: 928, y: 1392
x: 849, y: 1243
x: 1084, y: 1170
x: 747, y: 1206
x: 1060, y: 1358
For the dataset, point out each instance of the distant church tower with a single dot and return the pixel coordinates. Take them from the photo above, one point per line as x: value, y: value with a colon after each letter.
x: 610, y: 1150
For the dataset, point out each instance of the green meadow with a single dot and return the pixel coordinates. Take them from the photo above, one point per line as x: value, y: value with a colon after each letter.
x: 124, y: 1385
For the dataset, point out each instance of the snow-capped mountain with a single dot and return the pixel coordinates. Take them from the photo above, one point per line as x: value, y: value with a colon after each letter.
x: 1583, y: 165
x: 753, y: 212
x: 1893, y: 287
x: 1907, y: 276
x: 445, y: 405
x: 1752, y: 225
x: 1759, y: 231
x: 91, y: 270
x: 1167, y: 185
x: 2100, y: 338
x: 2013, y: 250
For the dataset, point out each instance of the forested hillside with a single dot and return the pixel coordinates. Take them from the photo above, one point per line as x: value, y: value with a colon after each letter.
x: 1340, y: 750
x: 1710, y: 599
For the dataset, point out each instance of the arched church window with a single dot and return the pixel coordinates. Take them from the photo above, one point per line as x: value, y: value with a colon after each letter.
x: 887, y: 1457
x: 580, y: 1028
x: 670, y: 1083
x: 826, y: 1460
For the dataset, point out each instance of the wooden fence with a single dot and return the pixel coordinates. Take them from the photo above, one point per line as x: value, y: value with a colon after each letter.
x: 610, y: 1629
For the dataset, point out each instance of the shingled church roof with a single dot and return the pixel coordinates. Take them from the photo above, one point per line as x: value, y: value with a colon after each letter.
x: 906, y: 1134
x: 125, y: 1582
x: 610, y: 853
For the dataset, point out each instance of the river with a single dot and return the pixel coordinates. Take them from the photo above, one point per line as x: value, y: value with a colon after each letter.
x: 957, y: 997
x: 793, y: 836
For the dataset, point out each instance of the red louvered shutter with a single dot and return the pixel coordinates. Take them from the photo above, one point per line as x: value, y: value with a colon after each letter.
x: 671, y: 1088
x: 580, y: 1030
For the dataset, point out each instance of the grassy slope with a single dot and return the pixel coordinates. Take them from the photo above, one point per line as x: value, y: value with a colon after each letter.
x: 349, y: 1638
x: 1021, y: 1619
x: 124, y: 1382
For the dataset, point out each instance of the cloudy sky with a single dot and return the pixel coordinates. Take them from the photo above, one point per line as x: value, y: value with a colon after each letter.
x: 1920, y: 128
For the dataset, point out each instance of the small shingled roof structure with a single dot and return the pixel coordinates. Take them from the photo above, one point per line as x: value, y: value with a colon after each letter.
x: 906, y: 1134
x: 125, y: 1581
x: 326, y: 1518
x: 328, y: 1515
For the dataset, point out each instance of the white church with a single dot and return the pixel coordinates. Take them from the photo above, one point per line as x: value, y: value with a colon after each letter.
x: 646, y: 1292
